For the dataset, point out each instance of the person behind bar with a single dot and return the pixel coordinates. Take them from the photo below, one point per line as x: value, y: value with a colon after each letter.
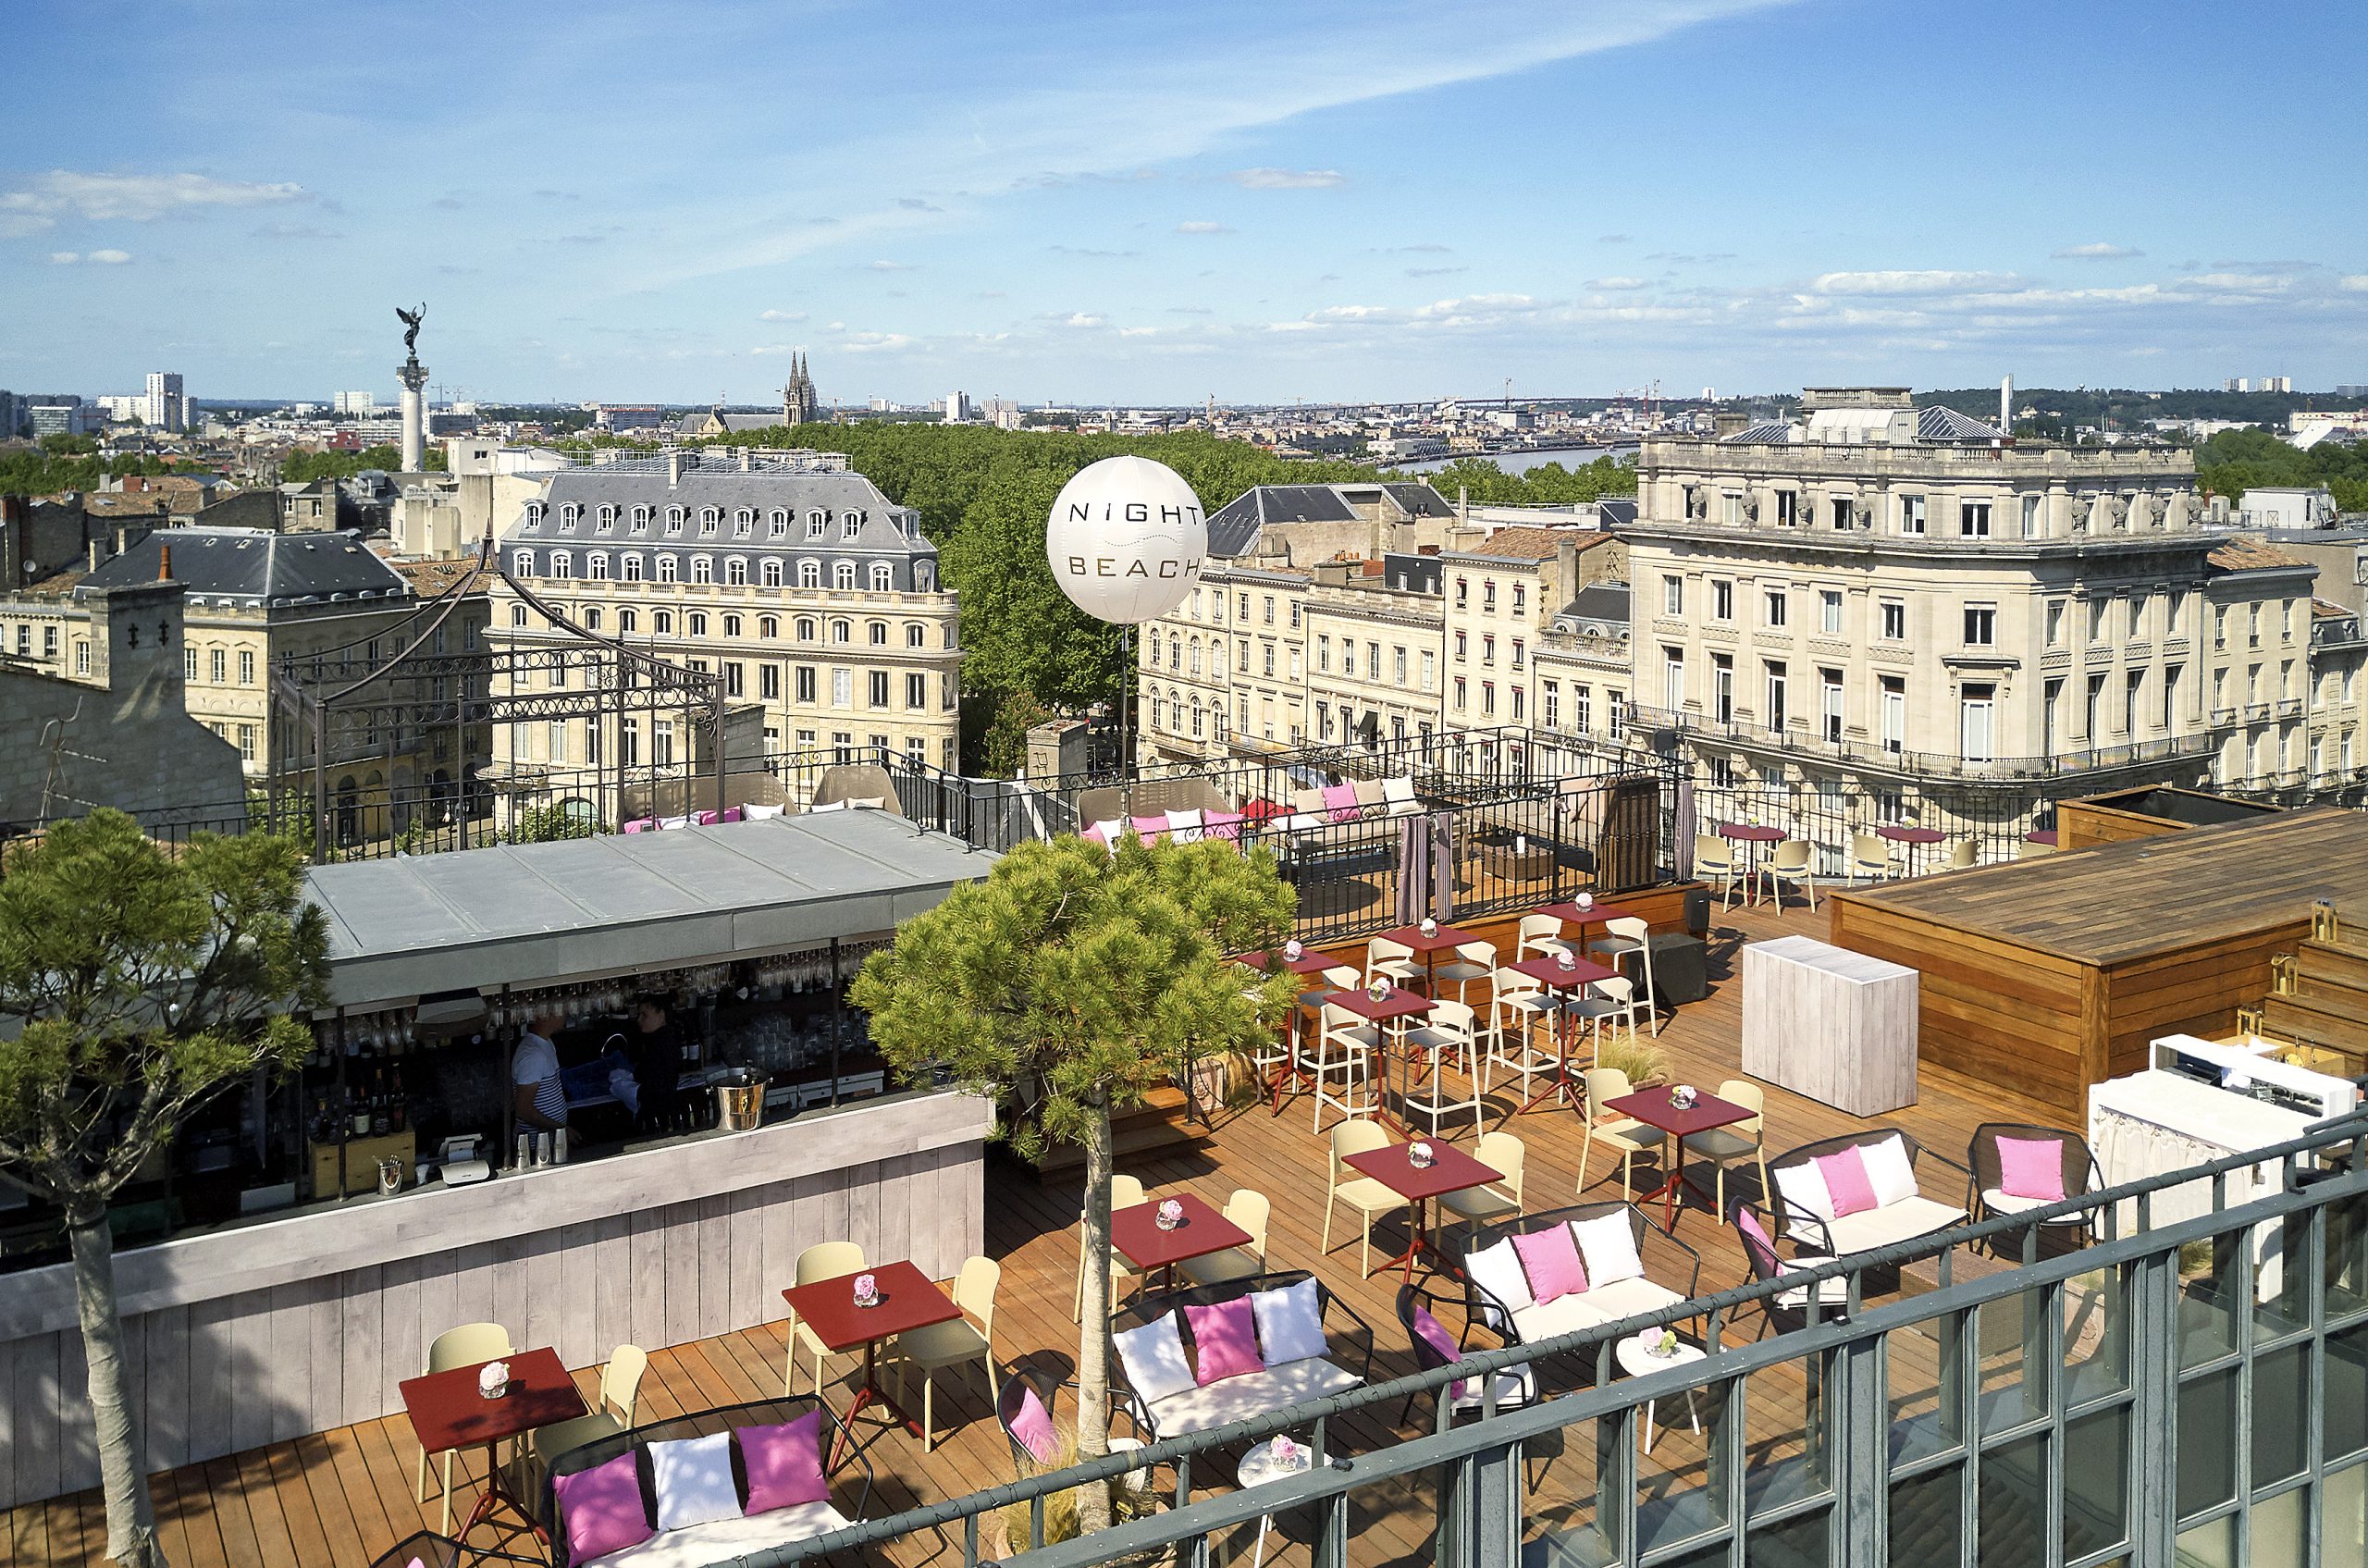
x: 536, y: 1095
x: 656, y: 1049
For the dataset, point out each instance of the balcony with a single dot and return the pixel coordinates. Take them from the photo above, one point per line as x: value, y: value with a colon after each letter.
x: 1802, y: 743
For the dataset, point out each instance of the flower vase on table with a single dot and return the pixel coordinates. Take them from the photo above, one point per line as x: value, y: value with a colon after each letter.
x: 1170, y: 1215
x: 866, y: 1291
x: 493, y: 1379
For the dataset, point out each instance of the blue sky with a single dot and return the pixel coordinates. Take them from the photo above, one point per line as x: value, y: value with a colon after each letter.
x: 1156, y: 202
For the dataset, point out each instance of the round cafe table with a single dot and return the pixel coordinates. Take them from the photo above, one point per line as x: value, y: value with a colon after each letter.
x: 1639, y: 1353
x: 1911, y: 839
x: 1751, y: 835
x: 1260, y: 1466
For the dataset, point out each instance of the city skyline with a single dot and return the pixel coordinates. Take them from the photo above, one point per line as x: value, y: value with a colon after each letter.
x: 1376, y: 204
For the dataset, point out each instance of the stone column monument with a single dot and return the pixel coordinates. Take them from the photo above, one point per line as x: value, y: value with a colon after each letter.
x: 413, y: 377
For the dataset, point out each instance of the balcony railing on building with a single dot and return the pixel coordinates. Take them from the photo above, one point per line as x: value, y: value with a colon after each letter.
x: 1801, y: 740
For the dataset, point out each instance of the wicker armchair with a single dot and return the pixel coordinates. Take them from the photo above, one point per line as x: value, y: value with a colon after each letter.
x: 1985, y: 1194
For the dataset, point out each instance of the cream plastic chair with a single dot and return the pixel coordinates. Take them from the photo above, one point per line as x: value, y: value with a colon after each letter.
x: 612, y: 1413
x: 1621, y: 1135
x: 1611, y: 1001
x: 1964, y: 853
x: 1631, y: 933
x: 1344, y: 1048
x: 1249, y: 1210
x: 1736, y: 1141
x: 956, y: 1343
x: 1519, y: 1004
x: 463, y: 1346
x: 1792, y: 862
x: 1392, y: 961
x: 1714, y: 860
x: 1362, y: 1193
x: 1541, y: 937
x: 1126, y: 1191
x: 823, y: 1260
x: 1472, y: 960
x: 1505, y: 1155
x: 1872, y: 858
x: 1448, y: 1030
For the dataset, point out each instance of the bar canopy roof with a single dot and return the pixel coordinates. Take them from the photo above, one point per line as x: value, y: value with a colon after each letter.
x: 527, y: 915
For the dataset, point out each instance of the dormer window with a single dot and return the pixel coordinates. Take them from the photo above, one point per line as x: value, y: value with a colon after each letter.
x: 595, y: 566
x: 850, y: 524
x: 673, y: 519
x: 709, y: 518
x: 630, y: 568
x: 521, y: 564
x: 809, y: 573
x: 742, y: 522
x: 883, y: 578
x: 606, y: 519
x: 816, y: 524
x: 769, y: 572
x: 666, y: 569
x: 777, y: 522
x: 735, y: 572
x: 843, y: 576
x: 562, y: 566
x: 534, y: 515
x: 570, y: 513
x: 702, y: 569
x: 641, y: 519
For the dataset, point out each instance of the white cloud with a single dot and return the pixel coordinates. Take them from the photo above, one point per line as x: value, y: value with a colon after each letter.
x: 64, y: 258
x: 2354, y: 283
x: 1137, y: 331
x: 781, y: 315
x: 89, y: 258
x: 1085, y: 318
x: 2236, y: 282
x: 1927, y: 282
x: 890, y: 267
x: 1618, y: 283
x: 1201, y: 225
x: 2097, y: 251
x: 137, y: 198
x: 1288, y: 179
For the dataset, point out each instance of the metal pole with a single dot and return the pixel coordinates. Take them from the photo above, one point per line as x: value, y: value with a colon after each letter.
x: 838, y: 1010
x: 718, y: 706
x: 320, y: 780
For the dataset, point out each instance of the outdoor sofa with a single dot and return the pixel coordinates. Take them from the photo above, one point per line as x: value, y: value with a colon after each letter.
x: 1185, y: 1364
x: 1502, y: 1286
x: 1857, y: 1192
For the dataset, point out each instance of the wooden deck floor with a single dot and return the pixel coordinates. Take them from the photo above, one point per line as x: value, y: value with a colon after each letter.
x: 340, y: 1497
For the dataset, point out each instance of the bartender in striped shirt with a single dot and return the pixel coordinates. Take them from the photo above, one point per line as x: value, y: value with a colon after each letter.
x: 537, y: 1095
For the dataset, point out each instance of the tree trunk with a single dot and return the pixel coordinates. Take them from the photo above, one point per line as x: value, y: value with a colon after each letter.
x: 1093, y: 1334
x: 123, y: 1446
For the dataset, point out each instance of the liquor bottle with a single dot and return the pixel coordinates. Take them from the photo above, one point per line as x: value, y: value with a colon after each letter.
x: 379, y: 1103
x: 359, y: 1121
x: 317, y: 1130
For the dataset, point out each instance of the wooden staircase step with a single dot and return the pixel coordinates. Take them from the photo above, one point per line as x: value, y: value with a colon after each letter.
x: 2332, y: 964
x: 2315, y: 1021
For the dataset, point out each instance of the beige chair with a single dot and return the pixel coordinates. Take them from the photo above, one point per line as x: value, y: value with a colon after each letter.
x: 465, y: 1346
x: 1448, y: 1032
x: 1871, y: 857
x: 1392, y: 961
x: 1473, y: 961
x: 612, y: 1413
x: 1342, y: 1066
x: 2032, y: 850
x: 823, y: 1260
x: 1126, y: 1191
x: 956, y: 1343
x: 1631, y: 933
x: 1964, y: 853
x: 1362, y: 1193
x: 1505, y: 1155
x: 1519, y: 1004
x: 1621, y: 1135
x: 1736, y: 1141
x: 1249, y: 1210
x: 1791, y: 863
x: 1714, y: 860
x: 1610, y: 1001
x: 1541, y: 937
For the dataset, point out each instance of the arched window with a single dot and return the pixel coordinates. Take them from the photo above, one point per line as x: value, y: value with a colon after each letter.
x: 842, y: 574
x: 662, y: 622
x: 883, y: 576
x: 666, y: 568
x: 627, y: 621
x: 1158, y: 711
x: 816, y: 524
x: 735, y: 572
x: 559, y: 670
x: 702, y: 569
x: 1196, y: 656
x: 732, y: 625
x: 568, y: 514
x: 769, y: 626
x: 806, y: 628
x: 777, y: 522
x: 641, y: 519
x: 1196, y: 716
x: 842, y: 631
x: 521, y: 564
x: 595, y: 566
x: 1175, y: 650
x: 924, y: 577
x: 534, y: 513
x: 709, y: 518
x: 809, y: 573
x: 591, y: 617
x: 850, y: 524
x: 742, y: 520
x: 915, y: 634
x: 517, y: 618
x: 562, y: 566
x: 878, y: 632
x: 768, y: 573
x: 694, y: 624
x: 606, y: 518
x: 673, y: 519
x: 629, y: 568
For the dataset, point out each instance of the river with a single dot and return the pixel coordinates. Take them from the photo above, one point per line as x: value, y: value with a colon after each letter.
x: 1521, y: 459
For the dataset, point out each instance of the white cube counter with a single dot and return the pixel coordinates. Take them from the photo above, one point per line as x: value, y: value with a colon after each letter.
x: 1828, y: 1024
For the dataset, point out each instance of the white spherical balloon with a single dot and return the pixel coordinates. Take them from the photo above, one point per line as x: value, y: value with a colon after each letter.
x: 1126, y: 540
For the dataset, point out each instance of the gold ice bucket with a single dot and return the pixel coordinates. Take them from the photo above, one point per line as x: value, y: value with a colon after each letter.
x: 740, y: 1100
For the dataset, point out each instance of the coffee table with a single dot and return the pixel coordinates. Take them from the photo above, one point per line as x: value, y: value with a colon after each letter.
x: 1135, y: 1232
x: 1450, y: 1170
x: 1396, y: 1006
x: 1636, y: 1357
x: 1556, y: 975
x: 448, y: 1412
x: 1261, y: 1465
x: 909, y: 1299
x: 1655, y: 1108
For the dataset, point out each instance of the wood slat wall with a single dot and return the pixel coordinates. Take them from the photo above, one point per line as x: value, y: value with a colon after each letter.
x: 233, y: 1373
x: 2080, y: 824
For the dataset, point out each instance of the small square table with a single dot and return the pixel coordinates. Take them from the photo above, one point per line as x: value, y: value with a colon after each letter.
x: 1912, y: 839
x: 1135, y: 1232
x: 1593, y: 914
x: 1556, y: 975
x: 1450, y: 1170
x: 1655, y: 1108
x: 909, y: 1299
x: 1396, y: 1007
x: 1310, y: 962
x: 447, y: 1411
x: 1751, y: 835
x: 1445, y: 939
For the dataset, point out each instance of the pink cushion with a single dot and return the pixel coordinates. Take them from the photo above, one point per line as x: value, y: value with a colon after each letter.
x: 730, y: 815
x: 600, y: 1509
x: 1340, y: 802
x: 1754, y: 1234
x: 784, y: 1463
x: 1226, y: 1336
x: 1031, y: 1426
x: 1549, y: 1259
x: 2031, y: 1167
x: 1148, y: 829
x: 642, y: 824
x: 704, y: 818
x: 1225, y: 825
x: 1095, y: 833
x: 1845, y: 1179
x: 1433, y: 1333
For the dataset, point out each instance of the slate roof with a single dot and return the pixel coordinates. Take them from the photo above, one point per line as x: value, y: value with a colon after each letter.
x: 1939, y: 423
x: 1767, y: 433
x: 255, y: 567
x: 1234, y: 528
x: 1616, y: 513
x: 1599, y: 601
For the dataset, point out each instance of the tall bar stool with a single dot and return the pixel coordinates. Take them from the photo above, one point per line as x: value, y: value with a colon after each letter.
x: 1448, y: 1030
x: 1628, y: 935
x: 1344, y: 1048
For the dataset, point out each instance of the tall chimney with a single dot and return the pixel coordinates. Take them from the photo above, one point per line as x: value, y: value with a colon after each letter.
x: 165, y: 563
x: 2006, y: 405
x: 674, y: 467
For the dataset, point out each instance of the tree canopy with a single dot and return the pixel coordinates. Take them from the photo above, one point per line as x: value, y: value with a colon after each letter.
x: 2235, y: 461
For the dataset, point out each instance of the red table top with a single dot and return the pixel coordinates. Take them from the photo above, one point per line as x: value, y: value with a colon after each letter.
x: 447, y: 1411
x: 1549, y: 970
x: 1135, y: 1232
x: 1450, y: 1170
x: 2042, y: 835
x: 1571, y: 914
x: 909, y: 1299
x: 1652, y: 1107
x: 1751, y: 833
x: 1309, y: 962
x: 1439, y: 941
x: 1399, y: 1003
x: 1911, y: 836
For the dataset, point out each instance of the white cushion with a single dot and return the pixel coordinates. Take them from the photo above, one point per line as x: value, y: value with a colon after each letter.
x: 1804, y: 1190
x: 693, y: 1479
x: 1630, y: 1298
x: 1290, y: 1323
x: 1153, y: 1357
x: 1902, y: 1221
x: 1497, y: 1271
x: 1999, y: 1202
x: 1889, y: 1171
x: 1608, y: 1246
x: 758, y: 813
x: 701, y: 1545
x: 1184, y: 827
x: 1253, y: 1393
x: 1830, y: 1293
x: 1111, y: 830
x: 1563, y: 1314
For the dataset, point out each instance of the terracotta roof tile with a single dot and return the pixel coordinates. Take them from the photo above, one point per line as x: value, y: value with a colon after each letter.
x: 1536, y: 543
x: 2251, y: 555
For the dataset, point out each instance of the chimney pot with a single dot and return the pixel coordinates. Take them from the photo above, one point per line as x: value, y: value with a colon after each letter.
x: 165, y: 564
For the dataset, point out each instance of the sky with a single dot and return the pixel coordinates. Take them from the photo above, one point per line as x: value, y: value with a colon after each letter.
x: 1111, y: 202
